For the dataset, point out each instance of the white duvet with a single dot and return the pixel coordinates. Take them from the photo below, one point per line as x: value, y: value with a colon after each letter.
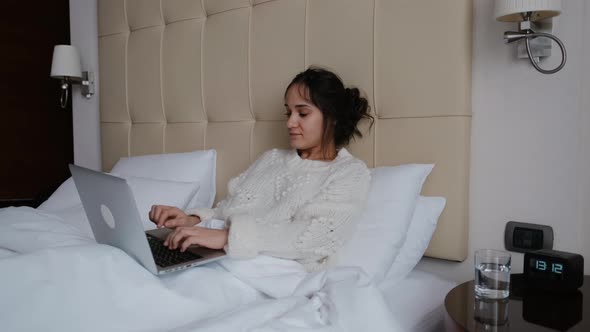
x: 55, y: 277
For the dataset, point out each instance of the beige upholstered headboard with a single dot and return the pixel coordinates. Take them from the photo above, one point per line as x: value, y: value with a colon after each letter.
x: 181, y: 75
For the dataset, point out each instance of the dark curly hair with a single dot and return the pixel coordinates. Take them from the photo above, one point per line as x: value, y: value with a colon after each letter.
x: 341, y: 107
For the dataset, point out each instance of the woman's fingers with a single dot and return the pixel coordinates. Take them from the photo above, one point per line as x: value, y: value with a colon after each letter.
x: 159, y: 214
x: 183, y: 237
x: 189, y: 241
x: 168, y: 241
x: 165, y: 215
x: 175, y: 238
x: 154, y: 212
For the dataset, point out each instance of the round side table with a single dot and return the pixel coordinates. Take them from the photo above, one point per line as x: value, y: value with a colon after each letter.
x: 523, y: 311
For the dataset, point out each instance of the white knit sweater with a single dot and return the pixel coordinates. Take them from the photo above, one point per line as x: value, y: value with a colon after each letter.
x: 292, y: 208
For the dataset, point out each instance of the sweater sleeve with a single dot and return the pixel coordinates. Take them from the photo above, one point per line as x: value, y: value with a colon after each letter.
x: 317, y: 230
x: 207, y: 213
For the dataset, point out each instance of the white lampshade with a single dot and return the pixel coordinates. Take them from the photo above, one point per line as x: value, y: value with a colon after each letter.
x: 66, y: 62
x: 510, y: 10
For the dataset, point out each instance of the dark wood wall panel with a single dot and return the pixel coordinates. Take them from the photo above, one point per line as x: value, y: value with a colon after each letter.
x: 36, y: 133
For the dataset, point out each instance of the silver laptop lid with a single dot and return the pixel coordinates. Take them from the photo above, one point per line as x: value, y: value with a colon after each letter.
x: 112, y: 213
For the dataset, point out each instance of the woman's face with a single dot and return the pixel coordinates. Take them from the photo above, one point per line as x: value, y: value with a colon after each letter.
x: 304, y: 121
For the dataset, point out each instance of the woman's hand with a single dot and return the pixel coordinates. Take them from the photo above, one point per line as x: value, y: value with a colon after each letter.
x: 171, y: 217
x: 183, y: 237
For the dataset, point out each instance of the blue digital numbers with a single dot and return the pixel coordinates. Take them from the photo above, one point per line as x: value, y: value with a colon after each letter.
x: 540, y: 265
x: 543, y: 266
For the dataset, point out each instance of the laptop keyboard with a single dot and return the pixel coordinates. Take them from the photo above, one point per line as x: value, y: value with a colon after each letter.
x: 165, y: 257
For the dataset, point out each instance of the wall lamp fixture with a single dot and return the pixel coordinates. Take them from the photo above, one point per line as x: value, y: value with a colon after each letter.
x: 534, y: 19
x: 66, y: 67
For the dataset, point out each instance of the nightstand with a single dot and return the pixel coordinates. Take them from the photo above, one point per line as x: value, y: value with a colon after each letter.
x: 523, y: 311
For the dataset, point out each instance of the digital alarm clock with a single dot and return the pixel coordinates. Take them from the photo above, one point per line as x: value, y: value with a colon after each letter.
x: 553, y: 270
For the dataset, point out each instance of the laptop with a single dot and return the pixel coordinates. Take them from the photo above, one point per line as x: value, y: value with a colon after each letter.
x: 115, y: 220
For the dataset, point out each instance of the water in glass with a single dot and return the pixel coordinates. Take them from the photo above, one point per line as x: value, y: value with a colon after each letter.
x: 492, y: 280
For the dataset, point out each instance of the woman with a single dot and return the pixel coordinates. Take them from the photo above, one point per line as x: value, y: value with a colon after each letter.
x: 295, y: 204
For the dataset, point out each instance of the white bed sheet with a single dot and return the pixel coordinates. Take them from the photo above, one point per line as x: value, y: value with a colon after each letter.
x: 48, y: 264
x: 417, y: 301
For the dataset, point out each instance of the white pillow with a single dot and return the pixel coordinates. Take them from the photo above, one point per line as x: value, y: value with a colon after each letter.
x: 383, y: 224
x: 147, y: 192
x: 422, y: 226
x: 64, y: 197
x: 197, y: 166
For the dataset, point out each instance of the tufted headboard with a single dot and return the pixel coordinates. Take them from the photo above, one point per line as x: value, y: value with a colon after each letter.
x: 181, y: 75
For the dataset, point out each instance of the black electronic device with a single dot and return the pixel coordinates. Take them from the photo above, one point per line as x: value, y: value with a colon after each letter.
x: 526, y: 237
x: 553, y: 270
x: 558, y: 311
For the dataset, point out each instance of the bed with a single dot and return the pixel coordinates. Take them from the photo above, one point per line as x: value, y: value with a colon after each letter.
x: 56, y: 274
x: 191, y: 79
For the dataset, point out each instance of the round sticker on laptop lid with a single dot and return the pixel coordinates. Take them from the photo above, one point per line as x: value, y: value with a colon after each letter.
x: 107, y: 216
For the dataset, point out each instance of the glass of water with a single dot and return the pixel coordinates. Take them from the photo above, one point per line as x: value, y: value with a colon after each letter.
x: 492, y: 274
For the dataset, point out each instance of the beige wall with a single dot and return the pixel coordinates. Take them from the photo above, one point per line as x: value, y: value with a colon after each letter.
x: 530, y: 145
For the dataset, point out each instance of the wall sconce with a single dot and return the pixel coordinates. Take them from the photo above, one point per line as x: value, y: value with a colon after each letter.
x: 534, y: 18
x: 66, y: 67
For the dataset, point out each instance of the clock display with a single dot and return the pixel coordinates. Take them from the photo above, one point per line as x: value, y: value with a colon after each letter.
x: 552, y: 270
x: 548, y: 268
